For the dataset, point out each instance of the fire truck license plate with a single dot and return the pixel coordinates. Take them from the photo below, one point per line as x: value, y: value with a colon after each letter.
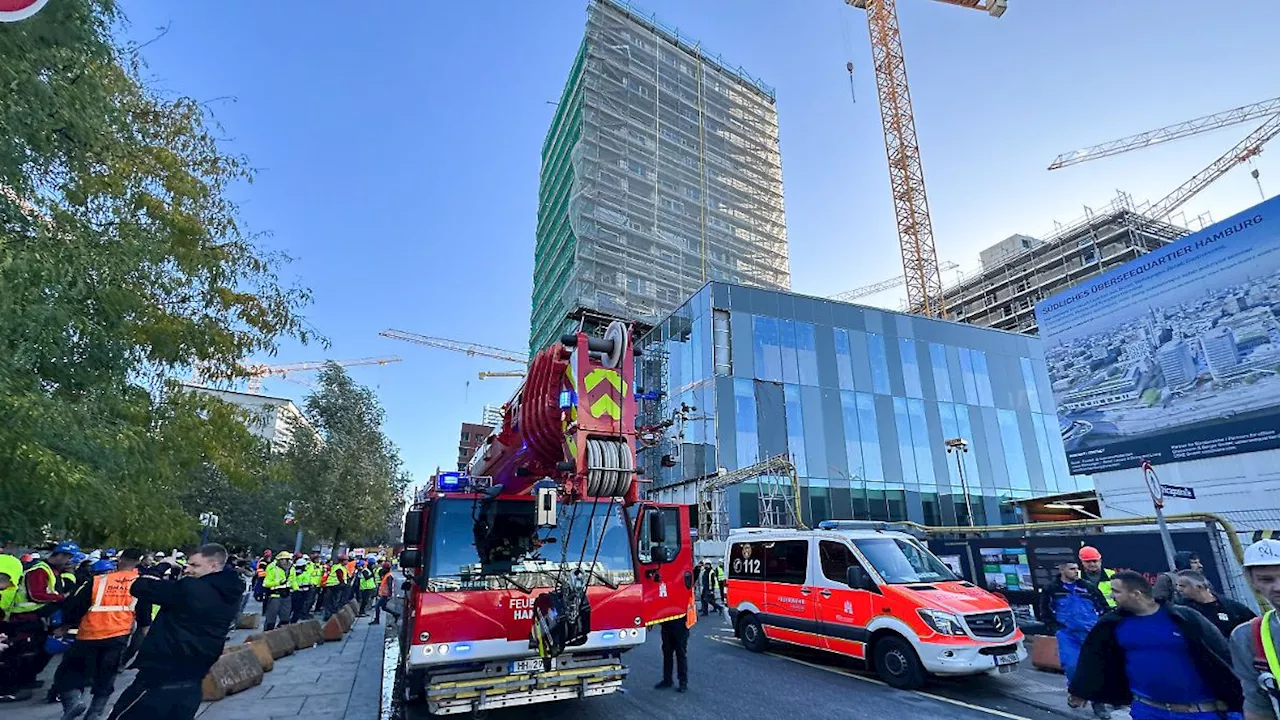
x: 531, y: 666
x: 1010, y: 659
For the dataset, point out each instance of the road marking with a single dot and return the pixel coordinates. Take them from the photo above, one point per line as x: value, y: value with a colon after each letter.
x: 874, y: 681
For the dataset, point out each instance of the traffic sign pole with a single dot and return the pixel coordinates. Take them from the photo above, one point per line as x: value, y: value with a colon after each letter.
x: 1157, y: 500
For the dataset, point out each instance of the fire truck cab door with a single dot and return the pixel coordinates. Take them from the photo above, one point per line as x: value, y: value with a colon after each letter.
x: 664, y: 559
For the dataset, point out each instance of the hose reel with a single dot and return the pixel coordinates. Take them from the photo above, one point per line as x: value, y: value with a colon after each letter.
x: 610, y: 467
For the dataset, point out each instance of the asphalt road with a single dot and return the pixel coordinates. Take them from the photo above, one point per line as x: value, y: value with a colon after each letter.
x: 727, y: 681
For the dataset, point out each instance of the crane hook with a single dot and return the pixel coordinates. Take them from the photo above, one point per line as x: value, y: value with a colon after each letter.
x: 852, y: 92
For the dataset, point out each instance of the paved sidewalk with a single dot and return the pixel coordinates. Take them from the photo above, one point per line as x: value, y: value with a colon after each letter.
x: 1045, y: 690
x: 334, y: 681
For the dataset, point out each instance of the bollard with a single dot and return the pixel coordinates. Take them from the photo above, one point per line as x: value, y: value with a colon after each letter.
x: 279, y: 640
x: 263, y: 652
x: 307, y: 633
x: 236, y: 670
x: 1044, y: 653
x: 332, y: 631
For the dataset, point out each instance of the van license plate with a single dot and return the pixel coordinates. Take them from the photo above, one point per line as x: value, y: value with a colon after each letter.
x: 528, y: 666
x: 1009, y: 659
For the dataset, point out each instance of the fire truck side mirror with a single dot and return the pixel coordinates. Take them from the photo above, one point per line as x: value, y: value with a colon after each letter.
x: 546, y: 512
x: 413, y: 527
x: 410, y: 558
x: 657, y: 528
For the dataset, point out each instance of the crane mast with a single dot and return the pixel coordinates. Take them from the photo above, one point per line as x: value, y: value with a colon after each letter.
x: 906, y: 175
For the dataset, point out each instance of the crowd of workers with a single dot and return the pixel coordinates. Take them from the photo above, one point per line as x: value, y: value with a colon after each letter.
x: 1172, y: 648
x: 292, y: 589
x: 165, y: 614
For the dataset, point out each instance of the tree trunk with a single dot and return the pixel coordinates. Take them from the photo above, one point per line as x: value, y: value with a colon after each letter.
x: 333, y: 552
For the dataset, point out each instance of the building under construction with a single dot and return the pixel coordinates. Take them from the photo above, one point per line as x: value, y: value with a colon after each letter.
x: 1019, y: 271
x: 661, y: 171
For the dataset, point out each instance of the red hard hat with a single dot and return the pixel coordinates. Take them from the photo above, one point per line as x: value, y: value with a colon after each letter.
x: 1088, y: 552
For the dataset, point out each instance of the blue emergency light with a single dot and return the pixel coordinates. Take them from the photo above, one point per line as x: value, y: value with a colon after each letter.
x: 566, y: 399
x: 451, y: 481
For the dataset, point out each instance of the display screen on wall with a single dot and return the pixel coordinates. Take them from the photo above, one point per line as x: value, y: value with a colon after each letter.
x: 1006, y: 569
x: 1172, y: 356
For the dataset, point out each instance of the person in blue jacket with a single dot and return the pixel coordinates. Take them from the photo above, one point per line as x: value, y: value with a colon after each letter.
x: 1069, y: 608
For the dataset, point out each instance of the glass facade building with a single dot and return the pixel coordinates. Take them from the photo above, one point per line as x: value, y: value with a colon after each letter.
x: 862, y: 400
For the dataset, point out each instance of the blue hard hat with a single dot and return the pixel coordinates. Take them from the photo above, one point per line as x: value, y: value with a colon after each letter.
x: 78, y: 558
x: 359, y: 563
x: 65, y: 547
x: 103, y: 566
x: 111, y: 552
x: 57, y: 646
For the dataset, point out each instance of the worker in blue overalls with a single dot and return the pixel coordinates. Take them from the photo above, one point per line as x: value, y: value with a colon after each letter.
x: 1070, y: 607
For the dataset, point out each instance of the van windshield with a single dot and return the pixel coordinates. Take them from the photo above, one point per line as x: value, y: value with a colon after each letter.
x: 902, y: 562
x: 511, y: 559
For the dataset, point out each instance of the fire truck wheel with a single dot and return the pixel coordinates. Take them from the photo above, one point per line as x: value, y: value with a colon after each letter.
x: 414, y: 688
x: 897, y: 663
x: 752, y: 634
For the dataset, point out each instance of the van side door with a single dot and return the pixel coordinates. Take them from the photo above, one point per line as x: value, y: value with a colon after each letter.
x: 843, y: 612
x: 789, y: 613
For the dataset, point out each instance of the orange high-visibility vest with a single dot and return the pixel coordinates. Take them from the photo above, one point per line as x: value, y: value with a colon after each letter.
x: 351, y: 568
x: 111, y: 614
x: 690, y: 616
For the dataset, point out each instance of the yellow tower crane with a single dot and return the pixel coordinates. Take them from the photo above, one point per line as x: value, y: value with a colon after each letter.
x: 906, y: 176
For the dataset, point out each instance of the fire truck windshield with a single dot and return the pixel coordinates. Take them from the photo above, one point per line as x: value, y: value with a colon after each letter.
x: 902, y: 562
x: 519, y: 554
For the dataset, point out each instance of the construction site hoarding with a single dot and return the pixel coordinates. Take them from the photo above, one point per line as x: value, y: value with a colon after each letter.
x: 1173, y: 356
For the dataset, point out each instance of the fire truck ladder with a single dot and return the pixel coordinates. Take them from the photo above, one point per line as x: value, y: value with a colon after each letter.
x: 779, y: 497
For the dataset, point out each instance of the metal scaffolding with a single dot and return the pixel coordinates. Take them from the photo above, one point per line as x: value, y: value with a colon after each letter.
x: 661, y: 171
x: 779, y: 497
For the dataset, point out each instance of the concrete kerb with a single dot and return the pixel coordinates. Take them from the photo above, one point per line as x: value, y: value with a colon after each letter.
x: 236, y: 670
x: 346, y: 618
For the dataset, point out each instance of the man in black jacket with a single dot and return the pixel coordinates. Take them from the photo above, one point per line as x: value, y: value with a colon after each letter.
x: 185, y: 638
x: 1222, y: 612
x: 1167, y: 661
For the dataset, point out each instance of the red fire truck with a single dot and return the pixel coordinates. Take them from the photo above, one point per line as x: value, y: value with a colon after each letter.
x: 531, y: 574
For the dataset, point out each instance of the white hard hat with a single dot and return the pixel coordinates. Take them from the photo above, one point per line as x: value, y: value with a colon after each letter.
x: 96, y: 555
x: 1262, y: 553
x: 302, y: 560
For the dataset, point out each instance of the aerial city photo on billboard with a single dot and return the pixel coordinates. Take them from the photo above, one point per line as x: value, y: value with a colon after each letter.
x: 1174, y: 355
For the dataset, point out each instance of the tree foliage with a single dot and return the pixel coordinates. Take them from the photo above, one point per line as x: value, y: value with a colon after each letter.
x: 348, y: 480
x: 122, y: 261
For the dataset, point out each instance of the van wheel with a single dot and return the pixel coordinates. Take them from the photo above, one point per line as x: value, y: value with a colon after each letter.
x: 897, y: 663
x: 752, y: 633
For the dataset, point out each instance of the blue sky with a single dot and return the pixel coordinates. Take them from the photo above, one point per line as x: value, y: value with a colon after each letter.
x: 398, y: 148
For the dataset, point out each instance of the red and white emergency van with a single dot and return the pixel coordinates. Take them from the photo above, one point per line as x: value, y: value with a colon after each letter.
x: 879, y: 596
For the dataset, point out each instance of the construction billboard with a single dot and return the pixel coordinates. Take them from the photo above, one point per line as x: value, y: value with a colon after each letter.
x: 1172, y: 356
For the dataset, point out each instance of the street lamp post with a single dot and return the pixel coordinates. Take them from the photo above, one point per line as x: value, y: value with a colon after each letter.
x: 961, y: 446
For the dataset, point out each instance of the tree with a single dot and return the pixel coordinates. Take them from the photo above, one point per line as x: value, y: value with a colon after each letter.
x: 346, y: 474
x: 122, y: 261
